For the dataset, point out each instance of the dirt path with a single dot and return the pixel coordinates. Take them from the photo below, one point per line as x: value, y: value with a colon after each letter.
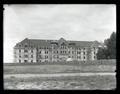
x: 57, y: 75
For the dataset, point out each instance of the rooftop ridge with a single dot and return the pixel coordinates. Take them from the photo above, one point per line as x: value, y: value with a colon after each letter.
x: 58, y: 39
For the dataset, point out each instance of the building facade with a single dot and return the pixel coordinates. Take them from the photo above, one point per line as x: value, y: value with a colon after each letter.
x: 33, y: 50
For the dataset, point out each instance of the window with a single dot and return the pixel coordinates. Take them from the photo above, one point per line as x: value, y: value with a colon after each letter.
x: 26, y: 56
x: 19, y: 60
x: 57, y: 51
x: 31, y: 60
x: 84, y: 57
x: 37, y: 50
x: 46, y: 60
x: 32, y: 51
x: 25, y: 60
x: 46, y: 57
x: 25, y: 45
x: 94, y: 52
x: 69, y: 51
x: 84, y: 53
x: 31, y: 56
x: 19, y: 50
x: 94, y: 57
x: 25, y: 50
x: 19, y: 56
x: 14, y: 52
x: 40, y: 56
x: 15, y: 56
x: 72, y: 52
x: 61, y: 51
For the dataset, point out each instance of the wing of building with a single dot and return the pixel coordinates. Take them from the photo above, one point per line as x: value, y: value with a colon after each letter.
x: 33, y: 50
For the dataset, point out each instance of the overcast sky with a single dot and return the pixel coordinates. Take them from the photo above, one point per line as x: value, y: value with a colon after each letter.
x: 72, y: 22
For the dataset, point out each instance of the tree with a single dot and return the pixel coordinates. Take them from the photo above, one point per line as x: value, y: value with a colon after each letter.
x: 111, y: 46
x: 101, y: 53
x: 110, y: 51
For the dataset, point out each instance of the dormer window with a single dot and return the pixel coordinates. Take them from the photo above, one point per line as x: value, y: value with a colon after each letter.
x: 71, y: 43
x: 63, y: 43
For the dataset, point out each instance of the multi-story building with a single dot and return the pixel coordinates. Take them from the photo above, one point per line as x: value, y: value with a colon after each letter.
x: 33, y: 50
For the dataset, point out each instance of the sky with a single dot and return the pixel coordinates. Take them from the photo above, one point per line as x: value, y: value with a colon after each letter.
x: 82, y: 22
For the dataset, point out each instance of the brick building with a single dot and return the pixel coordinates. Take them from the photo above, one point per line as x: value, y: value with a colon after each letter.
x: 34, y: 50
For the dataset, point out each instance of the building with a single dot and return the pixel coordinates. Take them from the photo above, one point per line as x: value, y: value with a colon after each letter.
x: 33, y: 50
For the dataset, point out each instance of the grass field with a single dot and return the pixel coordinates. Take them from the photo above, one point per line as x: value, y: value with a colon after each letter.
x: 105, y: 82
x: 21, y: 69
x: 65, y: 83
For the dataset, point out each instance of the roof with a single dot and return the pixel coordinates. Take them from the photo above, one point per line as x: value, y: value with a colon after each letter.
x: 47, y: 43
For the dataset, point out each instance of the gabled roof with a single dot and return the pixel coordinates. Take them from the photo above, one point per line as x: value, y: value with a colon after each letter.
x: 47, y: 43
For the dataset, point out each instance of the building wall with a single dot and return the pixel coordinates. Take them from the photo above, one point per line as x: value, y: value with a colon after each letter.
x: 25, y: 55
x: 93, y: 53
x: 54, y: 54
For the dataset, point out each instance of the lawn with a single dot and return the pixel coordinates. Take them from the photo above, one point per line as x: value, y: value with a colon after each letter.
x: 101, y: 82
x: 38, y: 69
x: 64, y: 83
